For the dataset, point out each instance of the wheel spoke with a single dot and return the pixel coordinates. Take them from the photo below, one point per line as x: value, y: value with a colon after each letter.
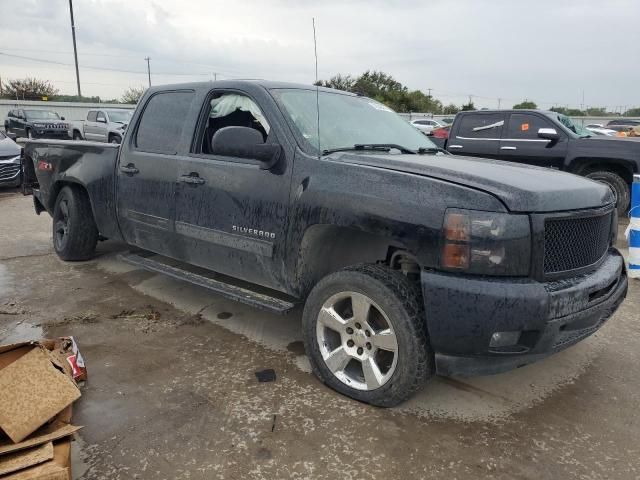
x: 386, y: 340
x: 360, y: 306
x: 372, y: 375
x: 337, y: 360
x: 64, y: 209
x: 330, y: 319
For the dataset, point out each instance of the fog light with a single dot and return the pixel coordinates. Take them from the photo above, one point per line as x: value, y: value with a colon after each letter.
x: 504, y: 339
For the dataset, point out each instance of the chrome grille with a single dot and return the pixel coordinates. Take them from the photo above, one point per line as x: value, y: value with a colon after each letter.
x: 9, y: 171
x: 574, y: 243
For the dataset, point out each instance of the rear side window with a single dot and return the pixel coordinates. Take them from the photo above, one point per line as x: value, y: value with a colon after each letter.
x: 162, y: 121
x: 487, y: 125
x: 91, y: 116
x: 526, y: 126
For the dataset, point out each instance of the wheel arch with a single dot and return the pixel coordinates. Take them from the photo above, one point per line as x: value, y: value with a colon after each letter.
x: 329, y: 248
x: 584, y: 166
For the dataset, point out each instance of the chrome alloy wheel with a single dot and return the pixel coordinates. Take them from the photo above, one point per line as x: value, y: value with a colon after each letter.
x: 357, y: 341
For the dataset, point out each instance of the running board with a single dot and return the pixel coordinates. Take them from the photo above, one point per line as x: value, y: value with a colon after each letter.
x: 233, y: 292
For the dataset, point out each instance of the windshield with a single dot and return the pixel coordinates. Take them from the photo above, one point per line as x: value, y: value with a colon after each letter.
x: 577, y: 129
x: 345, y: 121
x: 41, y: 115
x: 121, y: 116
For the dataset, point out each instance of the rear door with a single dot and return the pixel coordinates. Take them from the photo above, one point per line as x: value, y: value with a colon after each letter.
x: 89, y: 126
x: 20, y: 124
x: 521, y: 143
x: 231, y: 216
x: 101, y: 126
x: 148, y: 168
x: 477, y: 134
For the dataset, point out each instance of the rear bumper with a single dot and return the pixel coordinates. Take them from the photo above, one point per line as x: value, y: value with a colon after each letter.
x: 464, y: 312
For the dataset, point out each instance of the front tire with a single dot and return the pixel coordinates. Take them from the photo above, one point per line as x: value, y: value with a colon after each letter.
x: 618, y: 185
x: 75, y: 234
x: 76, y: 135
x: 365, y: 334
x: 29, y: 134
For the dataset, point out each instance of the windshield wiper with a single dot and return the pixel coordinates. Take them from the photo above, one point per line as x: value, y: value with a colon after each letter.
x: 381, y: 147
x: 423, y: 150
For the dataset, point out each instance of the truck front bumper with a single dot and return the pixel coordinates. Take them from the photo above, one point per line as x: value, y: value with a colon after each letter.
x: 465, y: 314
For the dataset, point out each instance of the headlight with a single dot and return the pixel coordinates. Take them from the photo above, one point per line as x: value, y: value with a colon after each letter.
x: 486, y: 243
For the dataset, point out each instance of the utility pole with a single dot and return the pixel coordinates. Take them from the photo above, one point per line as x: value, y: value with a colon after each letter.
x: 499, y: 103
x: 75, y: 49
x: 148, y: 69
x: 215, y: 76
x: 429, y: 95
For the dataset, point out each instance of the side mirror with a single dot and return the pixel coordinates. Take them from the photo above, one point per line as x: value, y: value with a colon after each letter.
x: 549, y: 134
x: 245, y: 142
x: 61, y: 118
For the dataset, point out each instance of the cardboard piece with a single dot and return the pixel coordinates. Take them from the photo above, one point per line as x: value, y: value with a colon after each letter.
x: 54, y: 431
x: 46, y: 471
x: 26, y: 458
x: 32, y: 391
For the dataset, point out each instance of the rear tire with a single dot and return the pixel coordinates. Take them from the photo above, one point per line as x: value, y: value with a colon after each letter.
x: 115, y: 139
x: 393, y: 320
x: 618, y: 185
x: 75, y: 234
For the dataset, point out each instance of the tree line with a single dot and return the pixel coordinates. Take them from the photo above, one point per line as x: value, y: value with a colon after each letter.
x: 374, y: 84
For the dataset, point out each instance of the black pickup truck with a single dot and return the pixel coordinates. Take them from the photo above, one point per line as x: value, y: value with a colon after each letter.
x: 409, y: 261
x: 547, y: 139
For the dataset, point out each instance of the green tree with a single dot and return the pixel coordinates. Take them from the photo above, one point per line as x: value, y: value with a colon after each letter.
x: 132, y: 94
x: 28, y: 89
x: 525, y: 105
x: 632, y: 112
x: 467, y: 107
x: 450, y: 109
x: 339, y: 82
x: 597, y: 112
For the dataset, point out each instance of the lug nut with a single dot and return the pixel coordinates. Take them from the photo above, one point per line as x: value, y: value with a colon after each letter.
x: 350, y: 343
x: 367, y: 333
x: 368, y: 346
x: 350, y: 330
x: 358, y: 326
x: 360, y: 350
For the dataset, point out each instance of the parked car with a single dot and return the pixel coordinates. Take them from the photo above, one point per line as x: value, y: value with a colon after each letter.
x: 409, y: 261
x: 440, y: 135
x: 36, y: 124
x: 425, y: 125
x: 623, y: 122
x: 104, y: 125
x: 9, y: 162
x: 547, y: 139
x: 607, y: 132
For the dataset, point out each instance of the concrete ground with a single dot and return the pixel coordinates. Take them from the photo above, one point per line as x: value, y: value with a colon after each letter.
x: 172, y: 391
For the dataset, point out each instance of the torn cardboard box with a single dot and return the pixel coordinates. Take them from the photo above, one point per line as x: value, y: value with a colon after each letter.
x: 37, y: 389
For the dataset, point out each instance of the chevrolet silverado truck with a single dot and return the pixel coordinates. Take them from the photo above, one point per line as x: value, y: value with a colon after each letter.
x: 409, y: 261
x: 548, y: 139
x: 103, y: 125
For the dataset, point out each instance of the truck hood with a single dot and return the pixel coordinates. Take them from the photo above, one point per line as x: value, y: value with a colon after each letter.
x: 522, y: 188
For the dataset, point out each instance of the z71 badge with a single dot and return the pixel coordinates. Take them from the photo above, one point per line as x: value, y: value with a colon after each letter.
x: 253, y: 231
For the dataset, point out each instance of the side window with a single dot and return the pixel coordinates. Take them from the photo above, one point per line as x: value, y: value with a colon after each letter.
x: 164, y: 116
x: 100, y: 117
x: 91, y: 116
x: 525, y: 126
x: 233, y: 110
x: 421, y: 122
x: 486, y: 125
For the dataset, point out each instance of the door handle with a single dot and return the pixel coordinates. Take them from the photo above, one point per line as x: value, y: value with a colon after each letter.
x: 192, y: 179
x: 455, y: 146
x: 508, y: 148
x: 129, y: 169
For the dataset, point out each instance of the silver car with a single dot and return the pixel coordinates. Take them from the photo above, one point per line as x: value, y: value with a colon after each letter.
x: 9, y: 162
x: 425, y: 125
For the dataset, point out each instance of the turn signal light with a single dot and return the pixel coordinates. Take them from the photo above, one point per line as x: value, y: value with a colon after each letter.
x: 455, y: 255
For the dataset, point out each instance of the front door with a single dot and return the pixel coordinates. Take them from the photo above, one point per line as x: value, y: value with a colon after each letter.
x: 89, y: 127
x: 231, y: 216
x: 147, y: 171
x: 521, y: 143
x: 101, y: 127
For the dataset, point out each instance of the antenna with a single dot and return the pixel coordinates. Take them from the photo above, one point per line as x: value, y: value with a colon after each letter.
x: 315, y: 51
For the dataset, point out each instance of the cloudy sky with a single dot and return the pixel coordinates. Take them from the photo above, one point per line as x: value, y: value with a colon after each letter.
x: 546, y: 50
